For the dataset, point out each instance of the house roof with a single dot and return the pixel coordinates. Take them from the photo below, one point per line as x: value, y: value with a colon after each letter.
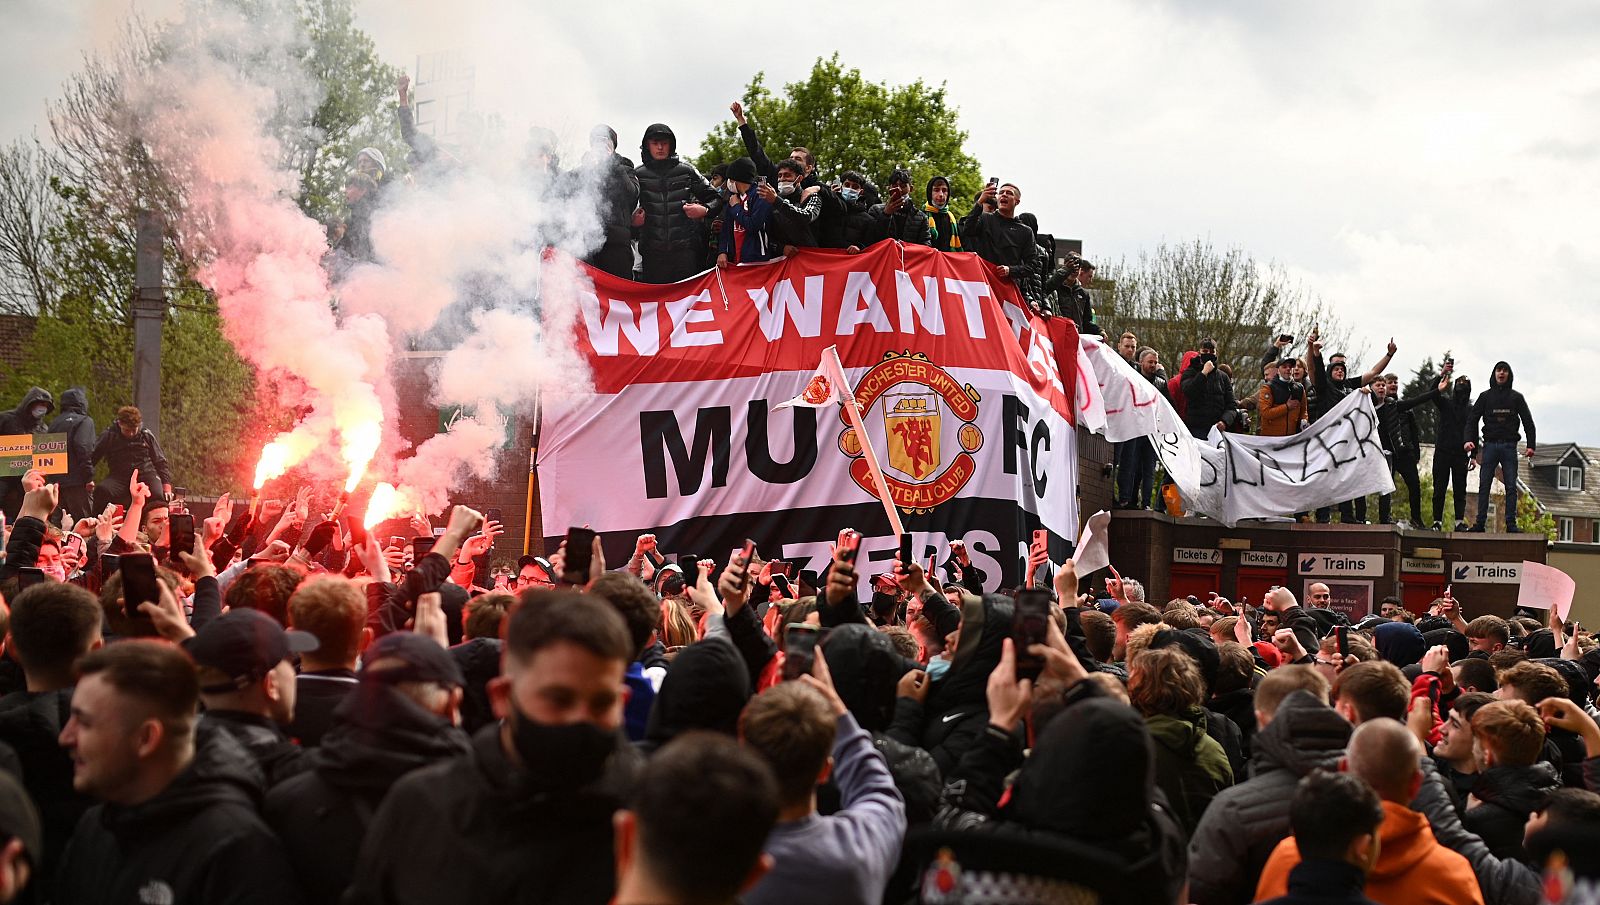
x: 1538, y: 477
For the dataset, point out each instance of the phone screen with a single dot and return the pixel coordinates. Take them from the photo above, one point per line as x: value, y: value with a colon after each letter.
x: 781, y: 582
x: 579, y: 554
x: 907, y: 557
x: 28, y: 576
x: 1030, y: 624
x: 138, y: 581
x: 421, y: 546
x: 492, y: 514
x: 799, y: 650
x: 181, y: 528
x: 779, y: 567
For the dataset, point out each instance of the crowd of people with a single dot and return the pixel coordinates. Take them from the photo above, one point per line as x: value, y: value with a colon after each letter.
x: 294, y: 709
x: 1294, y: 392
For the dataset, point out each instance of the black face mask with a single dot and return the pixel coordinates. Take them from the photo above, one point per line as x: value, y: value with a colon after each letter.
x: 561, y: 757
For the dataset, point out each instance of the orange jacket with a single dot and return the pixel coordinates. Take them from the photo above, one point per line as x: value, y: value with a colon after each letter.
x: 1278, y: 420
x: 1413, y: 868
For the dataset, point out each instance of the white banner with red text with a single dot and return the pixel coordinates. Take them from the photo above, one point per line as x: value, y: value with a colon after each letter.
x: 961, y: 391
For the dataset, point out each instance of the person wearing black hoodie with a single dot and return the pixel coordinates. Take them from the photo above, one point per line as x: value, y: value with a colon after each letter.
x: 128, y: 446
x: 178, y: 820
x: 401, y: 717
x: 1449, y: 452
x: 526, y: 814
x: 27, y: 418
x: 672, y: 197
x: 706, y: 688
x: 1397, y: 429
x: 948, y: 719
x: 1500, y: 408
x: 74, y: 421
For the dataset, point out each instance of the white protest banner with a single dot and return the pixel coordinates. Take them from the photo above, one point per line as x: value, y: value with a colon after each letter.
x: 1094, y: 550
x: 1543, y: 587
x: 1231, y: 477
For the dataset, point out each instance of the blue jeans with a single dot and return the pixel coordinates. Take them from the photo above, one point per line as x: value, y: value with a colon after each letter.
x: 1505, y: 456
x: 1136, y: 473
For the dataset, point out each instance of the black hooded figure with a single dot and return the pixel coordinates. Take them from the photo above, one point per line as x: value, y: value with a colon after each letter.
x: 706, y: 688
x: 1500, y: 408
x: 1449, y: 453
x: 957, y: 707
x: 74, y: 421
x: 671, y: 243
x: 1084, y: 808
x: 27, y: 418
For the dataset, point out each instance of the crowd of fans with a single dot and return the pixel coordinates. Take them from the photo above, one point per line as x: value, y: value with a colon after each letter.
x: 296, y: 710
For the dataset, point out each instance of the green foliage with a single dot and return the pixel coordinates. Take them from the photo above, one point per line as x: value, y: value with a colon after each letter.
x: 851, y: 123
x: 1533, y: 520
x: 356, y: 109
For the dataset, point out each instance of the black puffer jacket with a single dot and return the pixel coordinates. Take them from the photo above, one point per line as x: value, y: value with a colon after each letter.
x: 866, y: 670
x: 957, y: 708
x: 74, y: 421
x: 478, y: 829
x: 22, y: 421
x: 1245, y: 822
x: 266, y: 741
x: 124, y: 454
x: 323, y: 814
x: 669, y: 241
x: 1455, y: 410
x: 479, y: 660
x: 199, y: 840
x: 1210, y: 396
x: 1509, y: 795
x: 1397, y: 427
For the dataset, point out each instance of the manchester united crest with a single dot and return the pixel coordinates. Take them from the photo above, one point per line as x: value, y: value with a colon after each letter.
x: 927, y: 418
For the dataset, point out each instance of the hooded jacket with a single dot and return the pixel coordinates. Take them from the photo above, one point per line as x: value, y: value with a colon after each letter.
x: 1239, y: 830
x: 22, y: 421
x: 475, y: 829
x: 1455, y: 410
x: 957, y: 707
x: 1089, y: 786
x: 941, y: 222
x: 264, y: 739
x: 199, y: 840
x: 479, y: 660
x: 1500, y: 408
x: 1412, y: 869
x: 1399, y: 643
x: 866, y: 669
x: 706, y: 688
x: 665, y: 186
x: 74, y: 421
x: 1397, y: 427
x: 1191, y: 766
x: 1508, y: 795
x: 323, y: 814
x: 1210, y: 395
x: 1329, y: 391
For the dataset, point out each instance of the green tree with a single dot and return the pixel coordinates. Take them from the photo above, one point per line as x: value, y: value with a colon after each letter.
x: 1533, y: 520
x: 1175, y: 295
x: 851, y: 123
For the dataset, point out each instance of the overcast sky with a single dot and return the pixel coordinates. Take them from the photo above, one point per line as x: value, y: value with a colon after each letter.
x: 1430, y: 168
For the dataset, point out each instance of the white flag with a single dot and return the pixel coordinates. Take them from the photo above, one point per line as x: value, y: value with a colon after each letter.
x: 826, y: 387
x: 1093, y: 550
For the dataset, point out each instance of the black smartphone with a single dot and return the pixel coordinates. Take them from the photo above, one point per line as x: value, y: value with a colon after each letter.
x: 799, y: 650
x: 396, y: 540
x: 907, y: 556
x: 580, y: 552
x: 994, y: 180
x: 1341, y: 634
x: 779, y: 567
x: 1285, y: 337
x: 1030, y: 624
x: 110, y: 564
x: 319, y: 538
x: 139, y: 582
x: 690, y: 564
x: 748, y: 554
x: 180, y: 526
x: 422, y: 546
x: 781, y: 582
x: 492, y: 514
x: 28, y: 576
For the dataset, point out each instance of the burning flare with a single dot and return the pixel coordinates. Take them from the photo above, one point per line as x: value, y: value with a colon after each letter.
x: 360, y: 445
x: 274, y: 462
x: 386, y: 502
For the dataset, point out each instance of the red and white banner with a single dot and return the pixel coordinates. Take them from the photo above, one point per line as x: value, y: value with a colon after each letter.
x: 962, y: 392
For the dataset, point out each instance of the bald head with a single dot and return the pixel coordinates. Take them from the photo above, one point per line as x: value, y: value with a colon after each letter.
x: 1385, y: 754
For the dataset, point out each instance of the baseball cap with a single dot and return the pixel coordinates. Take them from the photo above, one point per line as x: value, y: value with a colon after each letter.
x: 420, y: 659
x: 245, y: 644
x: 539, y: 561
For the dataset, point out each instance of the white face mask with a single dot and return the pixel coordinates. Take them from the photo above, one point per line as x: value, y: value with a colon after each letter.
x: 39, y: 411
x: 786, y: 188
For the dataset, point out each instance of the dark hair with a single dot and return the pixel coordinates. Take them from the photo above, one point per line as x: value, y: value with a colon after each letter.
x: 1512, y: 730
x: 1374, y: 688
x: 1208, y: 343
x: 1329, y: 811
x: 1165, y: 681
x: 639, y: 609
x: 811, y: 161
x: 1489, y: 627
x: 1469, y: 703
x: 1572, y: 806
x: 1477, y: 672
x: 130, y: 415
x: 266, y: 588
x: 790, y: 726
x: 1099, y: 634
x: 791, y: 165
x: 1534, y: 681
x: 52, y: 625
x: 547, y: 617
x: 121, y: 623
x: 157, y: 673
x: 486, y: 614
x: 1236, y: 665
x: 852, y: 176
x: 699, y: 780
x: 1132, y: 615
